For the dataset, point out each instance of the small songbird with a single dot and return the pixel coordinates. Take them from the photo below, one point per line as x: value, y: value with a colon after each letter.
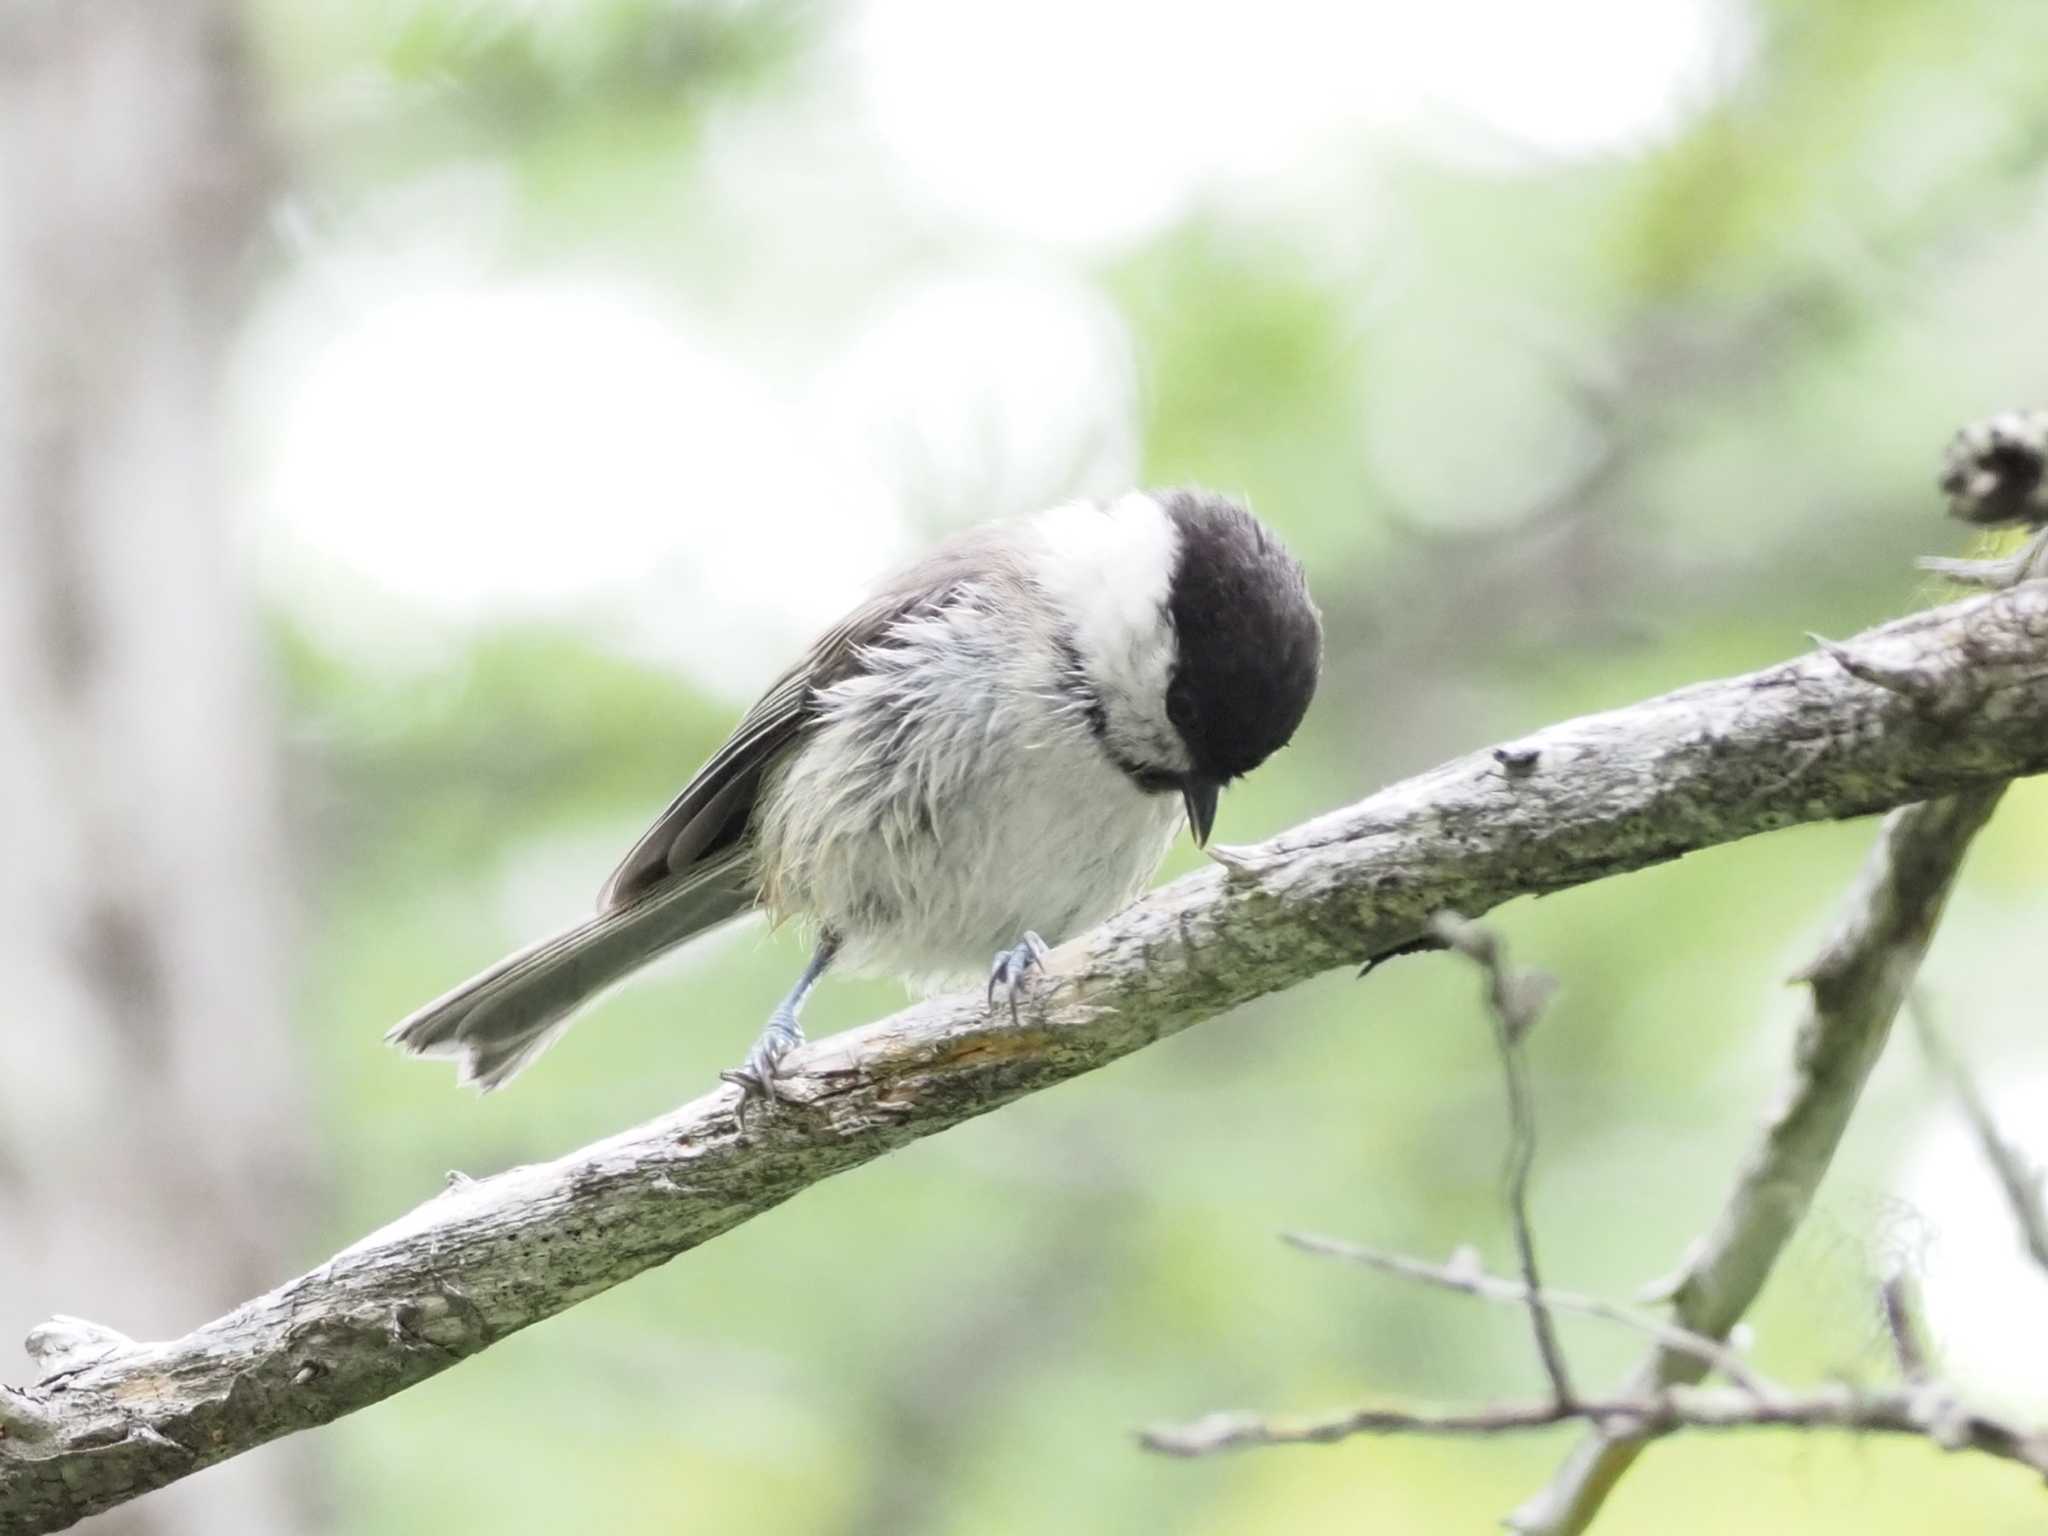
x: 991, y: 754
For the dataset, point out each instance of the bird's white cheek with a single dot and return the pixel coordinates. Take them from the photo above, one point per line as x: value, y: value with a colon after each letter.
x: 1107, y: 571
x: 1133, y: 695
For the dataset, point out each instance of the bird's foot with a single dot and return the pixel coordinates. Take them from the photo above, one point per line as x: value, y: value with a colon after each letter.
x: 1013, y: 967
x: 756, y: 1076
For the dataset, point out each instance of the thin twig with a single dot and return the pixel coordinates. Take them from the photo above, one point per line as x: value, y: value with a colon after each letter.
x: 1896, y: 1297
x: 2020, y: 1179
x: 1918, y: 1411
x: 1464, y: 1274
x: 1515, y: 1001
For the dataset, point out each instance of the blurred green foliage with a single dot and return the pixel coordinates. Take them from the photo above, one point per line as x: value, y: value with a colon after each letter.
x: 1552, y: 436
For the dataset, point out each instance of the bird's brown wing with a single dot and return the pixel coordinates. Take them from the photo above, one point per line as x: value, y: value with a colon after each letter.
x: 711, y: 813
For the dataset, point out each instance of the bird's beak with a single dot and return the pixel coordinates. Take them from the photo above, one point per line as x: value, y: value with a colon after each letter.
x: 1199, y: 795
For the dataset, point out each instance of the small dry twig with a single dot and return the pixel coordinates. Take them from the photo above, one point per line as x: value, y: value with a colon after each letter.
x: 1903, y: 1327
x: 1515, y: 1001
x: 2020, y: 1180
x: 1921, y: 1411
x: 1464, y: 1273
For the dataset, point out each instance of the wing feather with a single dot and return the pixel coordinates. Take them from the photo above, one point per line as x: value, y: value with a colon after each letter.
x: 711, y: 812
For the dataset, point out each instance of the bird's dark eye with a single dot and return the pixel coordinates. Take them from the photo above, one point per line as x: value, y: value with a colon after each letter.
x: 1180, y: 708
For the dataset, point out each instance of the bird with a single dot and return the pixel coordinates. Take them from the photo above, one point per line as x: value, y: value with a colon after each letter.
x: 989, y: 755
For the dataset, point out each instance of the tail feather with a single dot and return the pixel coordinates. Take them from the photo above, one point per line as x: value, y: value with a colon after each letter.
x: 497, y: 1022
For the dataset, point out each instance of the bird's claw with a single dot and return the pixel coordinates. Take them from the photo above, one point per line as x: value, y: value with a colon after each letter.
x: 1013, y: 966
x: 757, y: 1076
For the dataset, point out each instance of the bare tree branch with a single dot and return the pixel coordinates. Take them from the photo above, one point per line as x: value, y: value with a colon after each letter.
x: 1801, y: 741
x: 1857, y: 984
x: 1464, y: 1273
x: 1515, y: 1001
x: 1920, y: 1411
x: 1652, y: 1407
x: 2020, y: 1180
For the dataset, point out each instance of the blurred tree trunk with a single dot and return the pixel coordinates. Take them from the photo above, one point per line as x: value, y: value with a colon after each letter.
x: 149, y: 1104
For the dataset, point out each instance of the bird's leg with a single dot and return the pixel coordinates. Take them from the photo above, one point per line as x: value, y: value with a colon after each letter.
x: 783, y: 1034
x: 1012, y: 966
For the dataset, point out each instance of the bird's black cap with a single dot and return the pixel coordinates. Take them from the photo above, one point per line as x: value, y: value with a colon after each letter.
x: 1250, y: 640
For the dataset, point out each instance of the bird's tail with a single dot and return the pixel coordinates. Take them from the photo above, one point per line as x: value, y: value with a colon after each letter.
x: 497, y: 1022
